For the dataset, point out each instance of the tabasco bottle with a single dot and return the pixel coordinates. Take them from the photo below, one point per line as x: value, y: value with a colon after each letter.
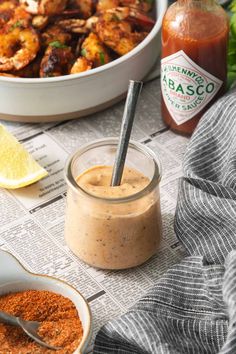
x: 194, y: 61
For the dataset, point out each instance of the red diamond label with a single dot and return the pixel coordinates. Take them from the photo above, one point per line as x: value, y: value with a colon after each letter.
x: 186, y: 87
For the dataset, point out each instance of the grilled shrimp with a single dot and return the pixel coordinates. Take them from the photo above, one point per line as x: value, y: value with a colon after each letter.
x: 56, y: 61
x: 143, y: 6
x: 81, y: 64
x: 74, y: 25
x: 44, y: 7
x: 18, y: 47
x: 6, y: 11
x: 40, y: 21
x: 133, y: 16
x: 95, y: 51
x: 11, y: 13
x: 86, y: 7
x: 54, y: 33
x: 117, y: 38
x: 31, y: 70
x: 103, y: 5
x: 115, y: 28
x: 7, y: 75
x: 94, y: 54
x: 20, y: 18
x: 59, y: 37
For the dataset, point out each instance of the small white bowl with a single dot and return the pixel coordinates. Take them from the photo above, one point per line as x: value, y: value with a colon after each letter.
x: 14, y: 277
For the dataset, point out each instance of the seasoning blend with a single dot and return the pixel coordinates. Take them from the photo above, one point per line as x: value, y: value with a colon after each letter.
x: 194, y: 61
x: 113, y: 227
x: 60, y: 322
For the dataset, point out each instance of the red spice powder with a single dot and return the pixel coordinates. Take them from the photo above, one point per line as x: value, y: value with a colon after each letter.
x: 60, y: 322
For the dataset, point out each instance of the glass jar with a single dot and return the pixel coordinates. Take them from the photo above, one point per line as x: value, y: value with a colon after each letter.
x: 194, y: 61
x: 113, y: 233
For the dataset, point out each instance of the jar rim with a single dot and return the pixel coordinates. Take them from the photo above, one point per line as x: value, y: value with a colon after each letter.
x: 156, y: 178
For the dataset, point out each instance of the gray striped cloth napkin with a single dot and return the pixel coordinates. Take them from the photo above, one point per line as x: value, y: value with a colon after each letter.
x: 192, y: 309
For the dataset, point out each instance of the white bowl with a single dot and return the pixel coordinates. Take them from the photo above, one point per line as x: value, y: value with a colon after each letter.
x: 72, y: 96
x: 14, y: 277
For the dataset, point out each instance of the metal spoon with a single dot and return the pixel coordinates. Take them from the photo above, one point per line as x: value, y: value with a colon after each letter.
x: 126, y: 127
x: 29, y: 327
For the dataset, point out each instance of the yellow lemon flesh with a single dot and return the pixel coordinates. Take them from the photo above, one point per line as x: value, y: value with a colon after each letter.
x: 17, y: 167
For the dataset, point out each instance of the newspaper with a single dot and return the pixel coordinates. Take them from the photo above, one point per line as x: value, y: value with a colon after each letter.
x: 32, y: 218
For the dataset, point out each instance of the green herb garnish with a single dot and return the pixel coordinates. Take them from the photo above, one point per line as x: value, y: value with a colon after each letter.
x: 232, y: 6
x: 57, y: 44
x: 83, y: 52
x: 115, y: 17
x: 102, y: 58
x: 232, y: 46
x: 15, y: 25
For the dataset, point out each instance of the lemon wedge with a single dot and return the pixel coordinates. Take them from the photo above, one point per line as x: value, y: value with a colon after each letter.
x: 17, y: 167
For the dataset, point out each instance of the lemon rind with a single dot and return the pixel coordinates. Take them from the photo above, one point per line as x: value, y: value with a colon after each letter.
x: 23, y: 182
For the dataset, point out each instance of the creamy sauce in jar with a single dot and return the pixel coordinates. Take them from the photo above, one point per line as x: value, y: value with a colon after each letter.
x: 97, y: 180
x: 108, y: 234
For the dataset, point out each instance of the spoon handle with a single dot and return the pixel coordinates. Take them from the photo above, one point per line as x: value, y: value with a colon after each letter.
x: 126, y: 127
x: 8, y: 319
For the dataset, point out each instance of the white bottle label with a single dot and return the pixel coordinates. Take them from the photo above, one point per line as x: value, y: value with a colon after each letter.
x: 186, y: 87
